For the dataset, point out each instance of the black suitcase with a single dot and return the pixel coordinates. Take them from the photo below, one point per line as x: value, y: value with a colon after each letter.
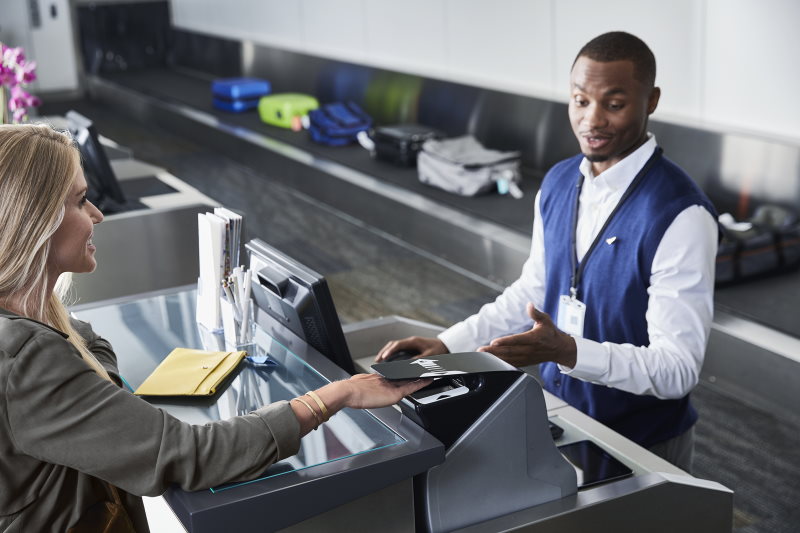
x: 770, y: 245
x: 400, y: 143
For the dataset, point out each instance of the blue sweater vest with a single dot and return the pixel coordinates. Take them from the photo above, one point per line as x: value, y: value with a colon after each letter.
x: 614, y: 288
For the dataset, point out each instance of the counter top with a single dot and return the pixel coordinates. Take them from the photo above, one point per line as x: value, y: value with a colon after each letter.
x: 357, y: 453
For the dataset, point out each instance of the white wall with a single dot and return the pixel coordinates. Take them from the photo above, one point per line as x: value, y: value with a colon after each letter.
x: 724, y: 64
x: 751, y: 69
x: 50, y: 44
x: 15, y: 24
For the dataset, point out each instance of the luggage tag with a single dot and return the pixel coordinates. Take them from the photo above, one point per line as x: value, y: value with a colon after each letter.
x: 571, y: 313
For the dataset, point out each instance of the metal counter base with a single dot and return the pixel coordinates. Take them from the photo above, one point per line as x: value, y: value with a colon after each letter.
x: 390, y: 510
x: 659, y: 497
x: 655, y: 503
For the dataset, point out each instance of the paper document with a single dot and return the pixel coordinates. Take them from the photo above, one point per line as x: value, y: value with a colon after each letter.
x: 211, y: 237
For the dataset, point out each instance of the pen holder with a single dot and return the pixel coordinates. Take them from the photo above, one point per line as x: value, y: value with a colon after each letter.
x: 237, y: 324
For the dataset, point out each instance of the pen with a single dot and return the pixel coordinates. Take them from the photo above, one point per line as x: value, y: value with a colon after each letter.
x: 235, y: 282
x: 229, y: 296
x: 240, y: 277
x: 245, y: 327
x: 227, y: 290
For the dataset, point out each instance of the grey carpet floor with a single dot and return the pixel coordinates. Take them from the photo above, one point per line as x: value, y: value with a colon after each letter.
x: 750, y: 450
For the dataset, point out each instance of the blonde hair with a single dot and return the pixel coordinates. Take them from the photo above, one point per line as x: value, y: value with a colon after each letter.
x: 37, y: 165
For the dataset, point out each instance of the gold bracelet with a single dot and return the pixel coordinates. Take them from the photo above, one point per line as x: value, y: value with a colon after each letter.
x: 313, y: 395
x: 313, y: 412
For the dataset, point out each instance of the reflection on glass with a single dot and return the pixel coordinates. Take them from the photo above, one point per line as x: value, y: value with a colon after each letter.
x: 143, y: 332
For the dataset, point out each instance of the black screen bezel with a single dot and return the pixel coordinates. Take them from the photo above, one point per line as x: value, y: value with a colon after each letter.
x: 103, y: 183
x: 332, y: 343
x: 597, y: 465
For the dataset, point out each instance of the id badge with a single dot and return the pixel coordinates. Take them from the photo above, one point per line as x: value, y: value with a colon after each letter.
x: 571, y: 313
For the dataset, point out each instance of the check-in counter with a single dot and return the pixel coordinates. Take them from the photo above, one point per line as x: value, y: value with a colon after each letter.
x: 657, y: 497
x: 360, y: 464
x: 379, y: 470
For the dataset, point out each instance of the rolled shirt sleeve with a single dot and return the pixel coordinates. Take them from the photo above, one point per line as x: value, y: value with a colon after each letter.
x: 679, y: 313
x: 507, y: 314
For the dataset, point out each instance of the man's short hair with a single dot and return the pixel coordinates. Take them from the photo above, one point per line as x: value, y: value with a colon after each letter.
x: 622, y: 46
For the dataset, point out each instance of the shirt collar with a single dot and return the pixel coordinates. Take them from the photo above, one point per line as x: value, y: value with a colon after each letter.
x: 621, y: 175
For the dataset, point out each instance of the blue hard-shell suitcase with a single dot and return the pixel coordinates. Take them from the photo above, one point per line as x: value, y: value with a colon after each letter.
x: 236, y: 106
x: 238, y: 94
x: 240, y: 88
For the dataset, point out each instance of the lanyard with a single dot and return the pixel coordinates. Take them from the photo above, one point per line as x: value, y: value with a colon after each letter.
x: 577, y: 270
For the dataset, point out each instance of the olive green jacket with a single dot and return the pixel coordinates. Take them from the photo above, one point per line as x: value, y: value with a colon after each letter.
x: 63, y: 428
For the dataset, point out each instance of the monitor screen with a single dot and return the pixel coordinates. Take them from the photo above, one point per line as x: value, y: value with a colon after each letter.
x: 592, y: 464
x: 299, y: 299
x: 104, y: 190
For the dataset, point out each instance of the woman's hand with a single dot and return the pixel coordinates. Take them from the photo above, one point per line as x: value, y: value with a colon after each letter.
x: 362, y: 391
x: 371, y: 390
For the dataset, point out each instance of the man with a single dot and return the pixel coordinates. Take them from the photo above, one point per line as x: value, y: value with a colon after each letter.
x: 622, y: 257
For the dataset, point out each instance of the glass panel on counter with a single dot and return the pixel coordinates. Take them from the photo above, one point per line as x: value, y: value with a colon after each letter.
x: 143, y: 331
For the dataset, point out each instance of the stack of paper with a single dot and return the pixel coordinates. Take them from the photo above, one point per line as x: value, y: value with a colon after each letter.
x: 233, y: 238
x: 219, y: 242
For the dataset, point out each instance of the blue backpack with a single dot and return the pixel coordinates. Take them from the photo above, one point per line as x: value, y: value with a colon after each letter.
x: 337, y: 124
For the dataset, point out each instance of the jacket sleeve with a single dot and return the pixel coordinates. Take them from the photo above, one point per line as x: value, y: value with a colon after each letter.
x: 62, y: 412
x: 100, y: 347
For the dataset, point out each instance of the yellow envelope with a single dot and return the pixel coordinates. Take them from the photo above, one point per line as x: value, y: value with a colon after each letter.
x: 187, y: 372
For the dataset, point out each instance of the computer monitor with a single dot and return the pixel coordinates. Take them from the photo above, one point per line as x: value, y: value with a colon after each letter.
x: 299, y: 299
x: 104, y: 189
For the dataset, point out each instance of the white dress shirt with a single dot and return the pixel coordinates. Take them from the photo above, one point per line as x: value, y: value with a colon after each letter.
x: 680, y: 296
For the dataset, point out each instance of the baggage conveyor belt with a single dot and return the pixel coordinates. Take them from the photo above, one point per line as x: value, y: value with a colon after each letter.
x: 771, y: 301
x: 195, y: 93
x: 754, y: 328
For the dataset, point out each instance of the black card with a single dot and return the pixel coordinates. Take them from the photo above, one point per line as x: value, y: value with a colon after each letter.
x: 436, y: 366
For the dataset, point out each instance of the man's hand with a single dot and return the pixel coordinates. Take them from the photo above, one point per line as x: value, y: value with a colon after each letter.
x: 543, y: 342
x: 422, y: 346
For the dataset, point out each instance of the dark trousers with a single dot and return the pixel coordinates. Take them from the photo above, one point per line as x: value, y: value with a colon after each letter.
x: 677, y: 450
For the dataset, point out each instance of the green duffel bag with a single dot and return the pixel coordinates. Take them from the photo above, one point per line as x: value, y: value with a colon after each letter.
x: 285, y: 109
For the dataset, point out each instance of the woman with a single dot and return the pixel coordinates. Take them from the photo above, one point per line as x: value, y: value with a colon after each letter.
x: 69, y: 435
